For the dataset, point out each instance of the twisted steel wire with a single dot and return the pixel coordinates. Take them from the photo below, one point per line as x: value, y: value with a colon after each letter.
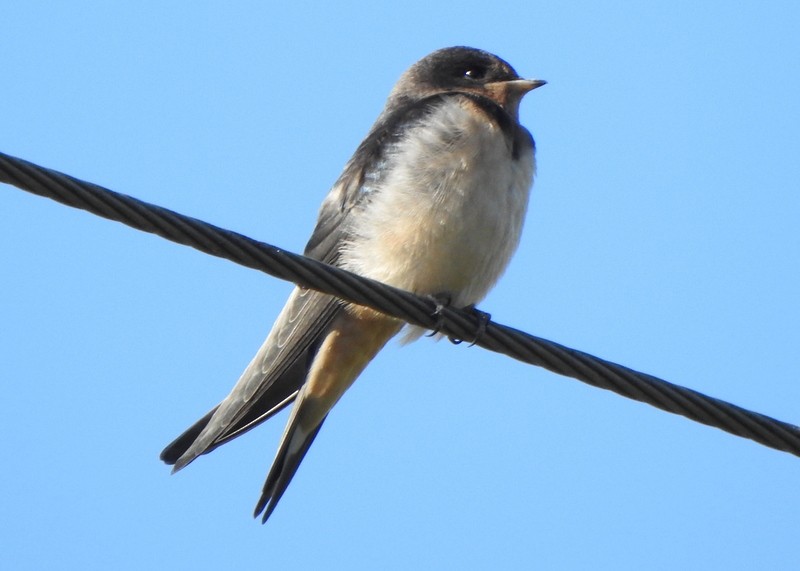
x: 455, y: 323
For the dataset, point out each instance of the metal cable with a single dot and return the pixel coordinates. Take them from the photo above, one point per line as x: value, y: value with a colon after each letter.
x: 455, y: 323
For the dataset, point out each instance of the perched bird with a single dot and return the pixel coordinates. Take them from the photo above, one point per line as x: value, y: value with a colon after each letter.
x: 433, y: 202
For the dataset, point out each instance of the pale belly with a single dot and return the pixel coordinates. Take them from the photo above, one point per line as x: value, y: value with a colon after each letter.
x: 448, y: 217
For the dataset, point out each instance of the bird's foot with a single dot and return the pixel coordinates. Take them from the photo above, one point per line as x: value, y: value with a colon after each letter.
x: 443, y: 300
x: 483, y: 320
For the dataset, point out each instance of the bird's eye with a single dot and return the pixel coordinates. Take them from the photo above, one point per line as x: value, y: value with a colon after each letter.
x: 474, y: 73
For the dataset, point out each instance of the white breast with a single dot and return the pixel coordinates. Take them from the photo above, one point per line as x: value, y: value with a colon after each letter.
x: 448, y: 214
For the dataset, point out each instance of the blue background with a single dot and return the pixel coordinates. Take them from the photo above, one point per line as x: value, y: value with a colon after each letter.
x: 663, y: 233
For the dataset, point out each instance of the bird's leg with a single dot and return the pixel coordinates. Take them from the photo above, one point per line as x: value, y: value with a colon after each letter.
x: 483, y: 320
x: 441, y: 300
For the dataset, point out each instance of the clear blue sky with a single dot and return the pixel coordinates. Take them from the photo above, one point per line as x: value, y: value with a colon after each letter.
x: 663, y: 233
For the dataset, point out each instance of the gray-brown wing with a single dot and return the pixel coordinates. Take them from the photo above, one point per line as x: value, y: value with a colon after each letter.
x: 270, y: 381
x: 278, y: 371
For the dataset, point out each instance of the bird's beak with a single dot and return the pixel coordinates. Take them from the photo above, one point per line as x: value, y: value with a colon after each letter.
x: 523, y: 86
x: 509, y: 93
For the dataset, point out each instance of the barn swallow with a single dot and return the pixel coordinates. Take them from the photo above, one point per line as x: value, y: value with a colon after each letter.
x: 433, y: 202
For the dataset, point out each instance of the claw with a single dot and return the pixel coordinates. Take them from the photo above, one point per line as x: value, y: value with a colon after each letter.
x: 441, y: 300
x: 483, y: 320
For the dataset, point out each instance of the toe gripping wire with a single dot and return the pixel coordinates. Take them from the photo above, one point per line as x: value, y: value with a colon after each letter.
x: 424, y: 312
